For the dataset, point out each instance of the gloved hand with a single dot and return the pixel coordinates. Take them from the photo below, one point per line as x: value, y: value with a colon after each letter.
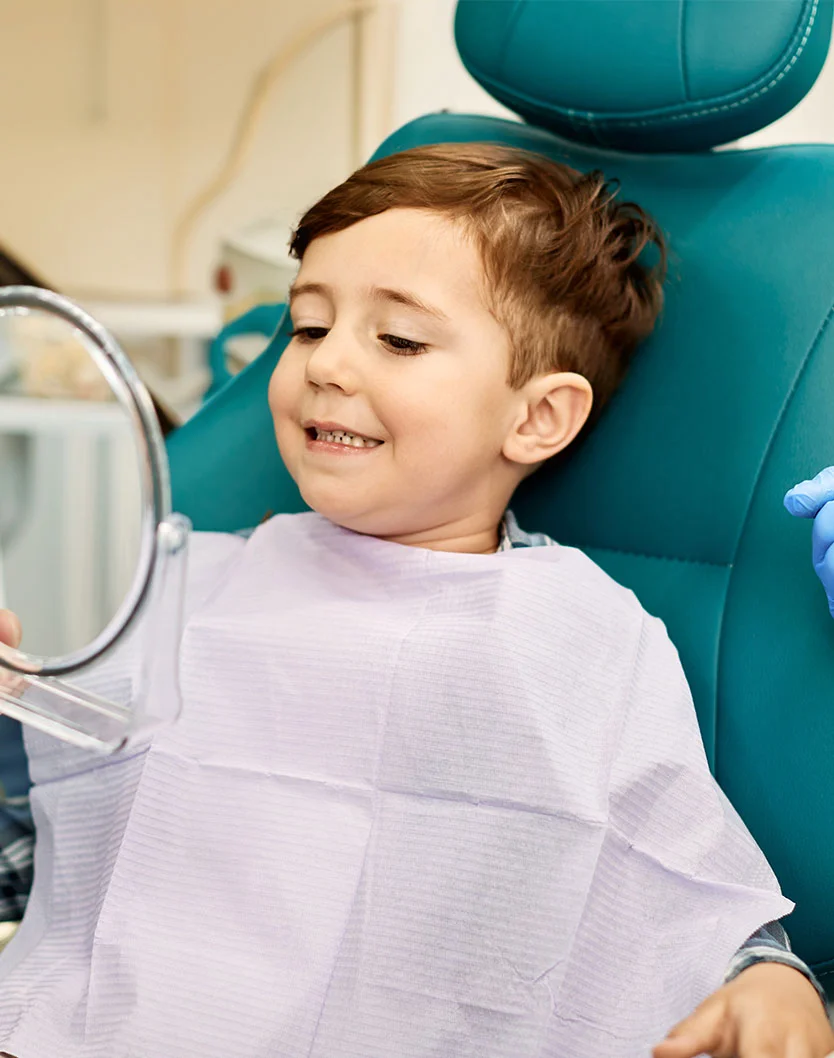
x: 813, y: 499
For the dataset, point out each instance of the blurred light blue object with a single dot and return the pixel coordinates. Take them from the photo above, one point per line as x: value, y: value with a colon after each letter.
x: 263, y: 320
x: 643, y: 75
x: 677, y: 491
x: 815, y: 499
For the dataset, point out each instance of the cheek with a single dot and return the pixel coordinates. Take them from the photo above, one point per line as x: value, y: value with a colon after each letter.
x: 283, y: 400
x: 438, y: 431
x: 283, y: 388
x: 452, y: 408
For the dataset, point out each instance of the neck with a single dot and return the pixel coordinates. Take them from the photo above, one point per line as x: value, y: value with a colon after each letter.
x: 465, y: 540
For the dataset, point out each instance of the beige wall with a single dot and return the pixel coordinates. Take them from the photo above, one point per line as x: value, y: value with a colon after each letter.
x: 116, y: 112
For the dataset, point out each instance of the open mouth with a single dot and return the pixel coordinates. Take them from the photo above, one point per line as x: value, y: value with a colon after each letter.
x: 341, y: 437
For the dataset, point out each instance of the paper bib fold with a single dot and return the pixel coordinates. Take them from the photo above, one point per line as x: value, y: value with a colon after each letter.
x: 418, y: 805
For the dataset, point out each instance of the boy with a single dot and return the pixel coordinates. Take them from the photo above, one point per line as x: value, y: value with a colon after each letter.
x: 424, y: 798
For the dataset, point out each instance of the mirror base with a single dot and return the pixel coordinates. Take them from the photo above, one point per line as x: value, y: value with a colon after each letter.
x: 91, y: 722
x: 60, y: 709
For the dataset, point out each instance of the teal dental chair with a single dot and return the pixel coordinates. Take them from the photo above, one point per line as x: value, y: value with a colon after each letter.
x: 261, y: 320
x: 678, y: 491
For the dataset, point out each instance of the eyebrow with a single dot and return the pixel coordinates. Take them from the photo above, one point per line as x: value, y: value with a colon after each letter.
x: 383, y: 294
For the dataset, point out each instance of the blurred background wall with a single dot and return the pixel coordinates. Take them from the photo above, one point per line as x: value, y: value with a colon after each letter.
x: 116, y: 112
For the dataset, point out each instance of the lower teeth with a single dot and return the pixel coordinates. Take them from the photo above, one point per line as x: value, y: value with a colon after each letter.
x: 348, y: 440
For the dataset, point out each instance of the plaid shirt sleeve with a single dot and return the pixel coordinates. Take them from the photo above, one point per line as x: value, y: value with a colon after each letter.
x: 17, y: 843
x: 770, y: 943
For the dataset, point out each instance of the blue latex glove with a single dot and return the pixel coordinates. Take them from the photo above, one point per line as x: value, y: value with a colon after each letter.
x: 815, y: 499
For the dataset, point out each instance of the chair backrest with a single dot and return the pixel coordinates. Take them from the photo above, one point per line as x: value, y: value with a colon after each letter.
x: 677, y: 492
x: 262, y: 320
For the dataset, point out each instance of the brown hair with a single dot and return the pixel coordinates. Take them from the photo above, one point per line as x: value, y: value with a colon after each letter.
x: 561, y: 254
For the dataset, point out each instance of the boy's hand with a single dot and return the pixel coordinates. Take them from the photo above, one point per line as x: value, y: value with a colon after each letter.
x: 10, y: 682
x: 768, y: 1011
x: 9, y: 628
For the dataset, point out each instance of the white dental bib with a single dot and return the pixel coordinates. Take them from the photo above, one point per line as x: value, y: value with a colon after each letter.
x: 419, y: 805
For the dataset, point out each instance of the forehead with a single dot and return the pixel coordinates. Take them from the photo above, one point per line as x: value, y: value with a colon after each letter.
x: 411, y: 249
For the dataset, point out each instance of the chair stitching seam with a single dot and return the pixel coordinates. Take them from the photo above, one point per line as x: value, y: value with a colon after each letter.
x: 612, y: 122
x: 682, y: 49
x: 512, y: 25
x: 662, y: 558
x: 747, y: 98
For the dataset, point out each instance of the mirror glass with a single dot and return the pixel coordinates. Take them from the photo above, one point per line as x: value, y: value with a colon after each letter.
x: 70, y: 496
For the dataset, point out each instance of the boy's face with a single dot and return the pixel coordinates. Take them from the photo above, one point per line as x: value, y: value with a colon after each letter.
x: 395, y: 345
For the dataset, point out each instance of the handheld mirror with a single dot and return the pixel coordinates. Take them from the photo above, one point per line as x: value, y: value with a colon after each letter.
x: 89, y: 547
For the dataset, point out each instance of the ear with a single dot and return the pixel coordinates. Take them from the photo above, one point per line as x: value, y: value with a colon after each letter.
x: 554, y: 409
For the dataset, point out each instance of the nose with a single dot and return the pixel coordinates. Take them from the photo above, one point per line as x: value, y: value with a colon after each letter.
x: 333, y: 362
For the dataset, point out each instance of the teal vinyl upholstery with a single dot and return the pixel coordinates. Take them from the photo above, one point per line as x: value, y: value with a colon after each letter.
x: 647, y: 75
x: 261, y: 320
x: 226, y: 473
x: 677, y: 492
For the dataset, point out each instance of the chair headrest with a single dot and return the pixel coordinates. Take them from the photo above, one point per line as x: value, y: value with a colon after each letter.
x: 646, y: 75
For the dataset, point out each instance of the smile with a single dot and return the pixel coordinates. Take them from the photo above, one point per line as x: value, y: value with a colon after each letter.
x: 337, y: 437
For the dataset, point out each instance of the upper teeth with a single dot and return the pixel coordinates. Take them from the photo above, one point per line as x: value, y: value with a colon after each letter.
x: 342, y: 438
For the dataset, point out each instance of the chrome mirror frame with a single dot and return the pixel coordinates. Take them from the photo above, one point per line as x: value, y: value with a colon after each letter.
x: 37, y: 697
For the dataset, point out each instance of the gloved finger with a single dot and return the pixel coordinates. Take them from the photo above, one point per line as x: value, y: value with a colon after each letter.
x: 10, y: 630
x: 806, y: 498
x: 822, y: 537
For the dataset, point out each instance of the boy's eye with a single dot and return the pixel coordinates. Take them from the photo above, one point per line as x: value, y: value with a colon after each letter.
x: 402, y: 345
x: 308, y: 334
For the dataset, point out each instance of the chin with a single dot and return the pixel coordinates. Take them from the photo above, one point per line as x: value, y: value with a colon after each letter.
x: 341, y: 509
x: 349, y: 514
